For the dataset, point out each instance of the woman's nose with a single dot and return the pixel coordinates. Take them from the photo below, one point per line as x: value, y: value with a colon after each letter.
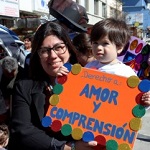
x: 52, y: 53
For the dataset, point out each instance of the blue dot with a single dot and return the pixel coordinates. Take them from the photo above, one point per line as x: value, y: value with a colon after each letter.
x: 68, y: 66
x: 88, y: 136
x: 144, y: 85
x: 46, y: 121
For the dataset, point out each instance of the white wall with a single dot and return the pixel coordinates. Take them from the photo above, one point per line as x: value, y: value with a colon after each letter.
x: 25, y: 5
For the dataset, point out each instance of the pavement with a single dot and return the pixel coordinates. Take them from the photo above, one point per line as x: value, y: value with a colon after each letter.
x: 143, y: 139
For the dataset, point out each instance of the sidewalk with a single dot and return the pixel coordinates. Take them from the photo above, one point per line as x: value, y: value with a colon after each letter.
x: 143, y: 139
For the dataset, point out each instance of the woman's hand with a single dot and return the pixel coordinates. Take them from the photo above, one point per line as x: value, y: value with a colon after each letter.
x: 80, y: 145
x: 62, y: 71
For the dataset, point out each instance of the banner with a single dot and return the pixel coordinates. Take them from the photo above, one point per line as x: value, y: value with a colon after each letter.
x: 92, y: 105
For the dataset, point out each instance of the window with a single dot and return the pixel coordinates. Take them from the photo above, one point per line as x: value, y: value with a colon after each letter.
x: 77, y: 1
x: 86, y: 2
x: 96, y: 7
x: 104, y: 10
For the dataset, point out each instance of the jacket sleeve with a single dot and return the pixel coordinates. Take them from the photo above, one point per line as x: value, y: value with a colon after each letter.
x: 25, y: 131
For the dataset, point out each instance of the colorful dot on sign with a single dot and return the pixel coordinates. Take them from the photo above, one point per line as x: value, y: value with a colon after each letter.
x: 144, y: 85
x: 77, y: 134
x: 133, y: 81
x: 144, y: 65
x: 124, y: 146
x: 139, y: 59
x: 58, y: 88
x: 139, y: 48
x: 146, y: 72
x: 68, y: 66
x: 66, y: 129
x: 100, y: 140
x: 135, y: 124
x: 133, y: 44
x: 54, y: 99
x: 46, y: 121
x: 76, y: 68
x: 61, y: 79
x: 111, y: 145
x: 88, y: 136
x: 56, y: 125
x: 139, y: 111
x: 145, y: 50
x: 138, y: 99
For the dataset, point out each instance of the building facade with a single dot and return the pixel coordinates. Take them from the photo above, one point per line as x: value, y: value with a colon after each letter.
x: 137, y: 14
x: 24, y: 16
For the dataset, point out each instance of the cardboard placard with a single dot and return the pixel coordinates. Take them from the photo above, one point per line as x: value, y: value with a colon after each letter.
x: 96, y: 104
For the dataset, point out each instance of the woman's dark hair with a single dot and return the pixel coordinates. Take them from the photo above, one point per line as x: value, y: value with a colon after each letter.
x: 46, y: 29
x: 82, y: 43
x: 116, y: 30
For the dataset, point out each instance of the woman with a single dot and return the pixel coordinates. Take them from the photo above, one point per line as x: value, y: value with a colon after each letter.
x: 83, y: 48
x: 51, y: 48
x: 27, y: 43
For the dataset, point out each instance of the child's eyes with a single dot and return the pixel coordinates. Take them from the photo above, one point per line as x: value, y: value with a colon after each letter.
x: 94, y: 43
x: 105, y: 43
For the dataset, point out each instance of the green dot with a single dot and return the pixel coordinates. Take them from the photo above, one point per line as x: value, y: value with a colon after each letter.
x: 138, y: 111
x: 111, y: 145
x: 66, y: 129
x: 144, y: 65
x: 58, y: 88
x: 145, y: 51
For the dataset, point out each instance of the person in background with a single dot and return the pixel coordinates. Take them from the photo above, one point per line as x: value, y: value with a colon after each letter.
x: 27, y: 50
x: 4, y: 136
x: 27, y: 43
x: 70, y: 15
x: 51, y: 49
x: 8, y: 75
x: 83, y: 48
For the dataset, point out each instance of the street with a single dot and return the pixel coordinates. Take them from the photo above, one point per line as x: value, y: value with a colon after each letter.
x: 143, y: 139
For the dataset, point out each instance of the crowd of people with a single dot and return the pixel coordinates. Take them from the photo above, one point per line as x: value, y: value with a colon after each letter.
x: 24, y: 93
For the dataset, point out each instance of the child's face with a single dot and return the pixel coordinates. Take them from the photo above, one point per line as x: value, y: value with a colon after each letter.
x: 105, y: 51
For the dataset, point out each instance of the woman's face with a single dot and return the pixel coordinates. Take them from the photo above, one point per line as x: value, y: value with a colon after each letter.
x: 53, y: 54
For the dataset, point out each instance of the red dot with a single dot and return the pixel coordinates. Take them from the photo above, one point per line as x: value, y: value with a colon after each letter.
x: 138, y: 98
x: 101, y: 140
x: 56, y: 125
x: 61, y: 79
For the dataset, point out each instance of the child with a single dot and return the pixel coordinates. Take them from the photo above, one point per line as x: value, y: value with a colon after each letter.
x: 108, y: 38
x: 4, y: 136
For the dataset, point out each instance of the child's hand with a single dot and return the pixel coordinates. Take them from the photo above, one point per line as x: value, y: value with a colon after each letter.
x: 62, y: 71
x: 146, y: 99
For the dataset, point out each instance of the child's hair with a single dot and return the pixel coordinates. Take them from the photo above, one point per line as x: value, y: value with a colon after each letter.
x: 4, y: 134
x: 116, y: 30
